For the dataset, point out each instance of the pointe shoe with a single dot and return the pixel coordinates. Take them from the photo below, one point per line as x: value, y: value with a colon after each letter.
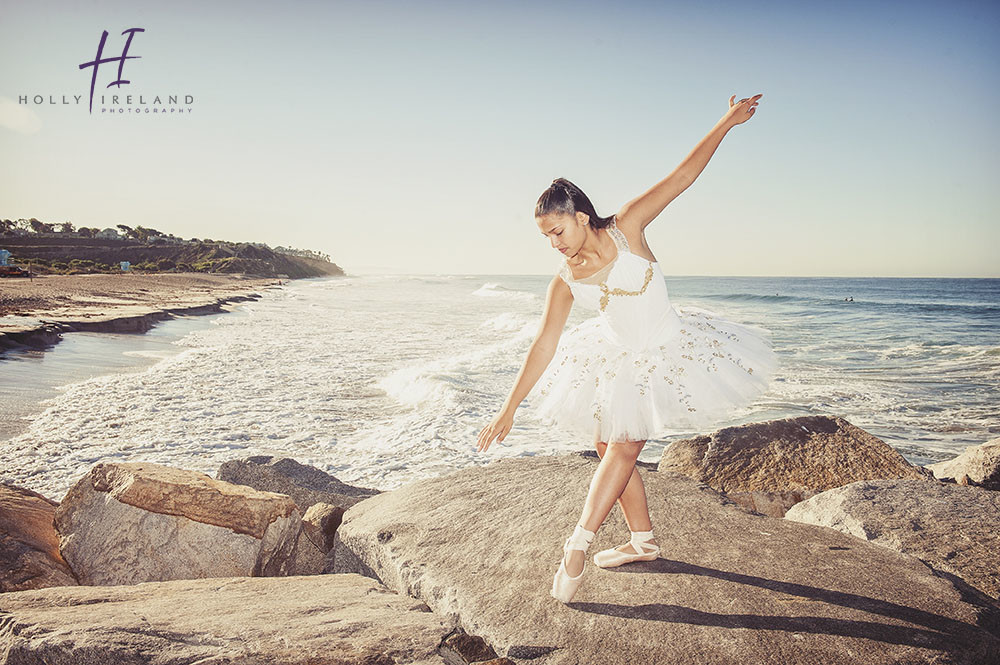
x: 639, y: 541
x: 563, y: 586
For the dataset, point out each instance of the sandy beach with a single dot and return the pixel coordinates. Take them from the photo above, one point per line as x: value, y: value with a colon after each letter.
x: 29, y: 308
x: 87, y: 296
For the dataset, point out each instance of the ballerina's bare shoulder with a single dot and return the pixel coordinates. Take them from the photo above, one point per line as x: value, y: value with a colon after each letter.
x: 636, y: 239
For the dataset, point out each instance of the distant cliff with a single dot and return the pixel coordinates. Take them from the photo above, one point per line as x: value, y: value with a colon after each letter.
x: 52, y: 253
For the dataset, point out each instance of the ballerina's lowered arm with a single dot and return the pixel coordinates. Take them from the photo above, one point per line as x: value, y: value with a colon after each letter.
x: 558, y: 302
x: 643, y: 209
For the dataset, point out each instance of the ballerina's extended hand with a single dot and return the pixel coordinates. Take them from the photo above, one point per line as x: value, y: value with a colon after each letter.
x: 742, y: 110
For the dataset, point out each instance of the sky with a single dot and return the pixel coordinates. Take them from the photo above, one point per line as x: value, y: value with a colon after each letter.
x: 416, y: 137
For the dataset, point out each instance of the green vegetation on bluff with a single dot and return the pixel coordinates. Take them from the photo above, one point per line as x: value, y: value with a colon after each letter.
x: 61, y: 248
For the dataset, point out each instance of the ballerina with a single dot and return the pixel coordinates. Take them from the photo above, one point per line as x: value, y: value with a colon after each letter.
x: 640, y: 366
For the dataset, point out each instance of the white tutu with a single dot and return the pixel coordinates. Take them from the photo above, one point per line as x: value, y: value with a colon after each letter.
x: 641, y: 367
x: 691, y: 377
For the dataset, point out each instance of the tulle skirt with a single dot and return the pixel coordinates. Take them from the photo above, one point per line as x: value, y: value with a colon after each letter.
x: 691, y: 375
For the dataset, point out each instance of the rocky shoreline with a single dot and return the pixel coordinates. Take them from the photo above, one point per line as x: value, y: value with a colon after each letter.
x: 35, y: 313
x: 272, y: 561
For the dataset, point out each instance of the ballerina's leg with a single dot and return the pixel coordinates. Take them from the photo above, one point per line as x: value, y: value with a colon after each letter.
x: 633, y: 502
x: 609, y: 481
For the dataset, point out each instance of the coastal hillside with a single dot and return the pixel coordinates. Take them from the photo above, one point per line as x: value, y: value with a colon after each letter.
x: 68, y: 254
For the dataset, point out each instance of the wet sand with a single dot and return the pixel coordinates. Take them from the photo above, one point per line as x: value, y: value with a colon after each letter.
x: 36, y: 312
x: 103, y: 296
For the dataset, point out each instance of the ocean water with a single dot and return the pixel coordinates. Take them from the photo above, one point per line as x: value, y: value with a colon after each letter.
x: 380, y: 380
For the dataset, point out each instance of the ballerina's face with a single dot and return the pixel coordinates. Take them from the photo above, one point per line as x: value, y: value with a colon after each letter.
x: 565, y: 232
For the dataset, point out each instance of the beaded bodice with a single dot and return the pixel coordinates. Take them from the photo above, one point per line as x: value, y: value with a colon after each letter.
x: 629, y: 293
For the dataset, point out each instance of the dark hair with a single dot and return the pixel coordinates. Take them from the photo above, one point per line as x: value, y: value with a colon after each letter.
x: 564, y: 198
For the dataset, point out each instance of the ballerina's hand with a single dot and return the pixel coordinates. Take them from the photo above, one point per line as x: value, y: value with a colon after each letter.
x: 498, y: 428
x: 742, y: 110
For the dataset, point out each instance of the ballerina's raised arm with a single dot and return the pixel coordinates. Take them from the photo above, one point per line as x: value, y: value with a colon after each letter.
x: 640, y: 211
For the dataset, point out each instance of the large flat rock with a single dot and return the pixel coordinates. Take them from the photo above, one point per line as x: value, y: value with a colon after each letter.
x: 772, y: 465
x: 307, y: 620
x: 481, y: 545
x: 950, y: 527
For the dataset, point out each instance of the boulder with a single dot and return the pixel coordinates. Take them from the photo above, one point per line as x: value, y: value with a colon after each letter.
x: 977, y: 465
x: 125, y: 523
x: 770, y: 466
x: 308, y: 620
x: 949, y: 527
x: 480, y: 546
x: 308, y: 487
x: 29, y: 545
x: 307, y: 559
x: 320, y: 522
x: 313, y: 553
x: 305, y: 484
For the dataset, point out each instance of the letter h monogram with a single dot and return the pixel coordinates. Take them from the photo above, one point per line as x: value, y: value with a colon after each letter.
x: 97, y: 62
